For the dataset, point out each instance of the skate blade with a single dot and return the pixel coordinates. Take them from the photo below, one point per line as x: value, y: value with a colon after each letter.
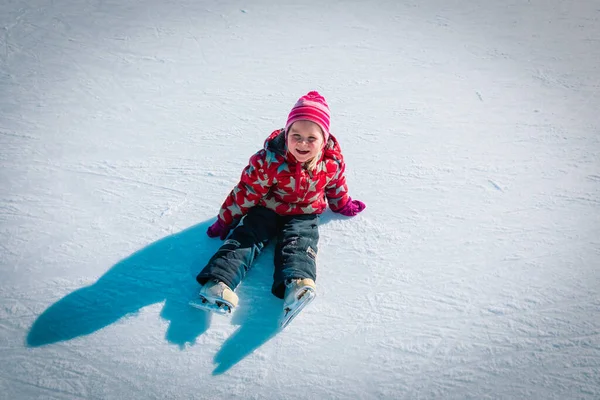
x: 289, y: 314
x: 220, y: 307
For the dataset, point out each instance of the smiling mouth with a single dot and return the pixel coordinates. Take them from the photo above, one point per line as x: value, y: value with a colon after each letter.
x: 303, y: 152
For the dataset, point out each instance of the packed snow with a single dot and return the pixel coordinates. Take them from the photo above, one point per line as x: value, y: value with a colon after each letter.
x: 470, y: 129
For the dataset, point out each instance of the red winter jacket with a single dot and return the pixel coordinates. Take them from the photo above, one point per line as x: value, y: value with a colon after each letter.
x: 275, y: 180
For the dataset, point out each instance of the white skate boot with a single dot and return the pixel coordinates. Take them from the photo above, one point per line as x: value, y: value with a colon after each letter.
x: 298, y: 294
x: 215, y: 296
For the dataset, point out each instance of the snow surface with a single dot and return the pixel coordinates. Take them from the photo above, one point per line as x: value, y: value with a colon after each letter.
x: 470, y: 129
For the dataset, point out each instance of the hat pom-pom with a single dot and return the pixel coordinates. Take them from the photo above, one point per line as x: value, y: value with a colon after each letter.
x: 314, y: 95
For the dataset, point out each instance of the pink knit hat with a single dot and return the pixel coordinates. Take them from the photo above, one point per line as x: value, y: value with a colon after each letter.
x: 310, y: 107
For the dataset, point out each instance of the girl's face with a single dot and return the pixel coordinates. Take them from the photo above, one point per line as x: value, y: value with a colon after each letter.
x: 304, y: 140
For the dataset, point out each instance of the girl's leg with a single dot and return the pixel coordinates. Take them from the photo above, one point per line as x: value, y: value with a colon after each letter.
x: 296, y: 250
x: 234, y: 258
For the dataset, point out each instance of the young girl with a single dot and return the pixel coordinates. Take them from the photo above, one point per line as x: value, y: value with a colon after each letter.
x: 281, y: 193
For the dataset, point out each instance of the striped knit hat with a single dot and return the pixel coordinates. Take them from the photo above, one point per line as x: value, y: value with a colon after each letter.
x: 310, y: 107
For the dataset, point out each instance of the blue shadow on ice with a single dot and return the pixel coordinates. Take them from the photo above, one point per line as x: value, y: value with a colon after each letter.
x: 257, y: 314
x: 164, y: 271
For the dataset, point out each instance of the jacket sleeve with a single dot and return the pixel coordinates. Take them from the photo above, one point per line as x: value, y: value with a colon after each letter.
x: 253, y: 185
x: 337, y: 190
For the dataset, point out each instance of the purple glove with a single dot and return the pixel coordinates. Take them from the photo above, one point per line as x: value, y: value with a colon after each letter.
x: 352, y: 208
x: 218, y: 229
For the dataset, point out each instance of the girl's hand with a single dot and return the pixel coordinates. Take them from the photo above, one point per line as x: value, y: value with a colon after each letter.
x: 352, y: 208
x: 218, y: 229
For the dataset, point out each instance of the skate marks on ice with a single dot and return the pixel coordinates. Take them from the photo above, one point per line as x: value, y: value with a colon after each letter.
x: 161, y: 272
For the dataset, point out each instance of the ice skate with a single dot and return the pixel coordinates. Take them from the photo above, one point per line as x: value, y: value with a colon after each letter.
x: 298, y: 294
x: 215, y: 296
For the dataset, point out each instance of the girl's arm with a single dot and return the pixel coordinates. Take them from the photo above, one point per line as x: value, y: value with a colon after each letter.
x: 253, y: 185
x: 337, y: 195
x: 337, y: 190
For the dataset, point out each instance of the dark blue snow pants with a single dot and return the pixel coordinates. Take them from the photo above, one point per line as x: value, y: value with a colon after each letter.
x: 295, y: 251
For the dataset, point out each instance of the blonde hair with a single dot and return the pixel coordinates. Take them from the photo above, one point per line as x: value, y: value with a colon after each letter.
x: 312, y: 163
